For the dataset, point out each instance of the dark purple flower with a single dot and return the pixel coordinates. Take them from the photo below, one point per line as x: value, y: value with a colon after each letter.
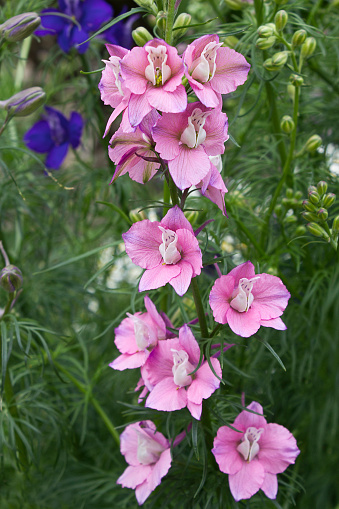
x: 53, y: 134
x: 88, y: 16
x: 120, y: 34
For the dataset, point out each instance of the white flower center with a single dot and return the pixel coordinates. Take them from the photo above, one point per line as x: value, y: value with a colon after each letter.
x: 114, y: 64
x: 142, y: 333
x: 242, y: 297
x: 169, y: 247
x: 249, y: 446
x: 203, y: 68
x: 195, y: 134
x: 149, y: 450
x: 181, y: 368
x: 157, y: 72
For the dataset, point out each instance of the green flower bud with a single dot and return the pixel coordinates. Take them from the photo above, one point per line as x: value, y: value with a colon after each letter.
x: 279, y: 211
x: 183, y: 20
x: 289, y: 193
x: 313, y: 143
x: 322, y: 187
x: 301, y: 230
x: 236, y: 5
x: 281, y: 2
x: 287, y: 124
x: 266, y: 30
x: 19, y: 27
x: 11, y: 278
x: 192, y: 216
x: 269, y: 66
x: 148, y: 4
x: 25, y: 102
x: 314, y: 197
x: 141, y: 35
x: 280, y: 58
x: 310, y: 207
x: 298, y: 195
x: 231, y: 41
x: 311, y: 189
x: 291, y: 91
x: 328, y: 200
x: 310, y: 216
x: 308, y: 47
x: 290, y: 219
x: 299, y: 37
x: 136, y: 215
x: 296, y: 80
x: 335, y: 225
x: 161, y: 22
x: 281, y: 19
x: 286, y: 202
x: 317, y: 230
x: 323, y: 214
x: 265, y: 43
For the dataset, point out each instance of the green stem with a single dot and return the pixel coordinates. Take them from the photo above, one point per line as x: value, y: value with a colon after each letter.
x: 167, y: 196
x: 169, y: 21
x: 276, y: 122
x: 249, y: 235
x: 172, y: 189
x: 199, y: 308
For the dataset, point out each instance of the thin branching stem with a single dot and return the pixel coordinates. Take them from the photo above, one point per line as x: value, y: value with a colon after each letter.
x: 199, y: 308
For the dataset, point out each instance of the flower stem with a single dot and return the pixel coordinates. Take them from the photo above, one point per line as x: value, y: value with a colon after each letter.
x: 199, y: 308
x: 170, y: 21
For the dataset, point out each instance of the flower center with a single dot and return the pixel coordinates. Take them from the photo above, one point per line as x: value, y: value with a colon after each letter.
x: 195, y: 134
x: 142, y: 334
x: 242, y: 297
x: 249, y: 446
x: 58, y: 131
x: 157, y: 72
x: 149, y: 450
x: 203, y: 68
x: 181, y: 368
x: 114, y: 65
x: 169, y: 249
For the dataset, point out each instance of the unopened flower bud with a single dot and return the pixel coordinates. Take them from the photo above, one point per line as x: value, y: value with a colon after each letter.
x: 311, y: 189
x: 19, y: 27
x: 290, y: 219
x: 287, y: 124
x: 161, y: 21
x: 182, y: 21
x: 328, y: 200
x: 335, y: 225
x: 291, y: 91
x: 269, y: 66
x: 11, y: 278
x: 314, y: 197
x: 298, y: 195
x: 281, y: 19
x: 141, y: 35
x: 281, y: 2
x: 299, y: 37
x: 266, y: 30
x: 192, y: 216
x: 310, y: 216
x: 309, y: 206
x: 301, y: 230
x: 231, y: 41
x: 137, y: 215
x: 148, y: 4
x: 236, y: 5
x: 322, y: 187
x: 280, y: 58
x: 279, y: 211
x: 289, y: 193
x: 313, y: 143
x: 286, y: 202
x: 323, y: 214
x: 308, y: 47
x: 296, y: 80
x: 25, y: 102
x: 265, y: 43
x: 317, y: 230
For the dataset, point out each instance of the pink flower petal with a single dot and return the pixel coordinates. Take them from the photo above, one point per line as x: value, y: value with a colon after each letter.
x: 270, y: 485
x: 155, y: 316
x: 189, y: 167
x: 225, y: 450
x: 167, y: 134
x: 116, y: 51
x: 158, y: 276
x: 278, y: 449
x: 160, y: 361
x: 126, y: 361
x: 195, y: 410
x: 160, y: 469
x: 175, y: 219
x: 232, y: 70
x: 245, y: 483
x: 138, y: 108
x: 190, y: 250
x: 125, y: 336
x: 115, y: 114
x: 205, y: 93
x: 182, y: 281
x: 134, y: 476
x: 275, y: 323
x: 169, y: 102
x: 189, y: 344
x: 205, y: 382
x: 216, y: 126
x: 142, y: 243
x: 270, y: 296
x: 220, y: 296
x: 214, y: 188
x: 244, y: 324
x: 129, y: 443
x: 247, y: 419
x: 243, y: 270
x: 167, y: 396
x: 133, y: 67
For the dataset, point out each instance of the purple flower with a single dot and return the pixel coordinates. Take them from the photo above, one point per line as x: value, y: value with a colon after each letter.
x: 254, y: 455
x: 121, y: 33
x: 53, y: 134
x: 84, y: 17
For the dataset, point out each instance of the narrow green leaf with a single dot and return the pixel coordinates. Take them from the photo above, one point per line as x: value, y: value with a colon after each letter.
x: 117, y: 209
x: 272, y: 352
x: 195, y: 425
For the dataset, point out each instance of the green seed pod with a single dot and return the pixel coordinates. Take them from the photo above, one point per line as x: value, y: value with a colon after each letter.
x: 308, y: 47
x: 322, y: 187
x: 313, y: 143
x: 280, y: 20
x: 314, y: 197
x: 296, y: 80
x: 328, y: 200
x: 266, y: 31
x: 310, y: 207
x: 183, y: 20
x: 310, y: 216
x: 265, y: 43
x: 19, y: 27
x: 299, y: 37
x: 287, y: 124
x: 335, y: 225
x: 298, y: 195
x: 25, y: 102
x: 11, y: 278
x: 317, y: 230
x: 141, y: 35
x: 280, y: 58
x: 322, y: 214
x: 301, y: 230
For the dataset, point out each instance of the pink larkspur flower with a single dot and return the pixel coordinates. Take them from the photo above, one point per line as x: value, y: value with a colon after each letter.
x: 187, y: 139
x: 132, y: 151
x: 212, y: 186
x: 213, y: 70
x: 246, y: 301
x: 137, y: 335
x: 254, y: 455
x: 169, y: 251
x: 168, y: 368
x: 148, y: 454
x: 153, y: 75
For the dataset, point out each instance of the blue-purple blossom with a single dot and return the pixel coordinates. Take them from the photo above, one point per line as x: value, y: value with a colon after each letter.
x: 53, y: 134
x: 120, y: 34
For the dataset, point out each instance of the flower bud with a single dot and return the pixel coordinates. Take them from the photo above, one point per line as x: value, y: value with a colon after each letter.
x: 141, y: 35
x: 281, y: 19
x: 269, y: 66
x: 265, y: 43
x: 11, y: 278
x: 192, y: 216
x: 313, y: 143
x: 291, y: 91
x: 266, y: 30
x: 296, y: 80
x: 161, y: 22
x: 310, y: 216
x: 317, y: 230
x: 299, y: 37
x: 19, y: 27
x: 287, y: 124
x: 310, y: 207
x: 280, y: 58
x: 314, y: 197
x: 148, y: 4
x: 308, y: 47
x: 328, y: 200
x: 323, y: 214
x: 287, y: 203
x: 335, y: 225
x: 298, y: 195
x: 311, y: 189
x: 231, y: 41
x: 290, y: 219
x: 279, y: 211
x: 322, y: 187
x: 289, y: 193
x: 236, y: 5
x: 25, y: 102
x: 301, y: 230
x: 136, y: 215
x: 182, y: 21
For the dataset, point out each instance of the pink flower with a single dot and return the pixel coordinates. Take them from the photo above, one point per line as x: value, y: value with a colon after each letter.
x: 246, y: 301
x: 168, y: 371
x: 131, y: 152
x: 213, y: 70
x: 187, y: 139
x: 153, y: 76
x: 137, y: 335
x: 212, y: 186
x: 148, y: 454
x: 169, y: 251
x: 254, y: 455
